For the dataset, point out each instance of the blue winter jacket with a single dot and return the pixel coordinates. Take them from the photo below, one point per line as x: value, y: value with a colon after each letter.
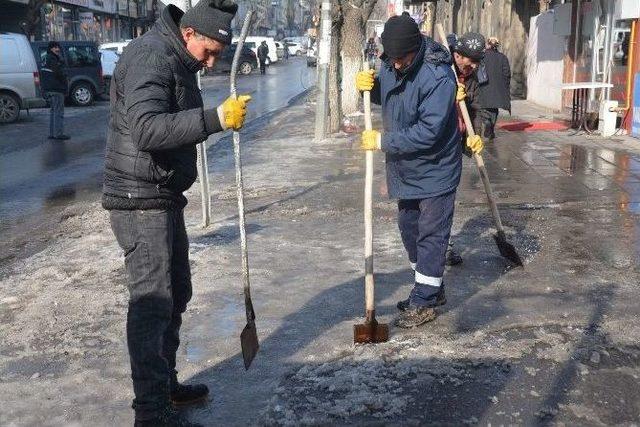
x: 420, y: 138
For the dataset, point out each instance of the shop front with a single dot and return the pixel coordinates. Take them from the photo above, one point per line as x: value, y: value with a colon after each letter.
x: 93, y: 20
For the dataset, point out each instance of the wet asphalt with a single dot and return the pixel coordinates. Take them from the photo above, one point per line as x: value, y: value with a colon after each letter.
x: 40, y: 177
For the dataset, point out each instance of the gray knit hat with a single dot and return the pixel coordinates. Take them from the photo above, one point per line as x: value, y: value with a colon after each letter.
x: 211, y: 18
x: 471, y: 45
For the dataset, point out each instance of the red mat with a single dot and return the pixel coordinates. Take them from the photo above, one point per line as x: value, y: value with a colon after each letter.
x: 525, y: 126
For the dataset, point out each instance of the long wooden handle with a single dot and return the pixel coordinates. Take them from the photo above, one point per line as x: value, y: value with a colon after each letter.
x: 368, y: 214
x: 477, y: 156
x: 239, y: 182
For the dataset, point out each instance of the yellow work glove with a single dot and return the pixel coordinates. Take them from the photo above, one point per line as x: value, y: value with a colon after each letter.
x: 371, y: 140
x: 475, y: 143
x: 364, y: 80
x: 233, y: 111
x: 461, y: 93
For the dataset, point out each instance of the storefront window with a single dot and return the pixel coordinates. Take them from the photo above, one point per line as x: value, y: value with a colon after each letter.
x: 59, y: 22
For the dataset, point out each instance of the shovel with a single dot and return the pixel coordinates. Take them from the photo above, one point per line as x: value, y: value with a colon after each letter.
x: 507, y: 250
x: 249, y: 335
x: 370, y: 331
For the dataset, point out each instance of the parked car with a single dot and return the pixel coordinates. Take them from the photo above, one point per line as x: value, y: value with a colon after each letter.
x: 83, y: 66
x: 253, y: 42
x: 295, y: 48
x: 246, y: 64
x: 116, y: 47
x: 280, y: 50
x: 19, y: 77
x: 108, y: 58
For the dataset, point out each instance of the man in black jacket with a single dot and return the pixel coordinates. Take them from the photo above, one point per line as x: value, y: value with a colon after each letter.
x: 263, y: 55
x: 54, y: 85
x: 157, y: 118
x: 496, y: 92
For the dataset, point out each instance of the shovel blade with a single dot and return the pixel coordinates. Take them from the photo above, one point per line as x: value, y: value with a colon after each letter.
x: 249, y: 344
x: 370, y: 333
x: 507, y: 250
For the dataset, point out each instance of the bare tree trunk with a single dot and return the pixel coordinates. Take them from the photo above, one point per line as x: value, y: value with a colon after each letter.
x: 352, y: 45
x: 335, y: 98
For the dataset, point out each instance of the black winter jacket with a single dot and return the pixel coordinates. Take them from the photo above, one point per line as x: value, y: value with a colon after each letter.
x: 495, y: 93
x: 157, y: 118
x: 54, y: 78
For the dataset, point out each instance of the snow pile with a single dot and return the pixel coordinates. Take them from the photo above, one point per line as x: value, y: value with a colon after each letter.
x: 368, y: 385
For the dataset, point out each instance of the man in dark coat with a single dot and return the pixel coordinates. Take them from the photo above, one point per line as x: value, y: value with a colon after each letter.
x: 468, y: 51
x: 416, y: 88
x: 157, y: 118
x: 54, y: 84
x: 263, y: 55
x: 495, y: 93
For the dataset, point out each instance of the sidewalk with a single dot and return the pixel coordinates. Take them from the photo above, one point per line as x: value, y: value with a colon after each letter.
x: 555, y: 342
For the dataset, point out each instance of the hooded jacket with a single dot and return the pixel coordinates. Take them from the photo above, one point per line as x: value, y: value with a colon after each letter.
x: 420, y: 138
x: 157, y: 118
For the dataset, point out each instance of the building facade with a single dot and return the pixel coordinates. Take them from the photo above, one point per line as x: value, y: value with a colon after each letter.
x: 96, y: 20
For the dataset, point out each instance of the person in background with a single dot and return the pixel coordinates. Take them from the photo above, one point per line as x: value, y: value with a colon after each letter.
x: 371, y: 51
x: 495, y: 93
x: 263, y: 54
x: 468, y: 52
x: 55, y: 84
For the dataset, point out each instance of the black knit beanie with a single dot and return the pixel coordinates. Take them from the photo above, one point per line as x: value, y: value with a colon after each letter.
x: 211, y: 18
x: 401, y: 35
x: 471, y: 45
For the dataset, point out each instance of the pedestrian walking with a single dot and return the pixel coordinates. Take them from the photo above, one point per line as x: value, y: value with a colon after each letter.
x: 55, y: 85
x: 496, y: 92
x: 416, y: 88
x: 263, y: 55
x: 157, y: 118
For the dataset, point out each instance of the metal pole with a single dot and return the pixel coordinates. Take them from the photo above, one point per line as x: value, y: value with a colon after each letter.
x: 324, y: 49
x: 203, y: 168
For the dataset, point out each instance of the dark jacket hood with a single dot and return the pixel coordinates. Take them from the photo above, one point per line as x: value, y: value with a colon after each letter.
x: 168, y: 25
x: 429, y: 52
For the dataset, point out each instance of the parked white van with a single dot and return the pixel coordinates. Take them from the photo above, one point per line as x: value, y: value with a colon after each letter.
x: 252, y: 42
x: 19, y: 78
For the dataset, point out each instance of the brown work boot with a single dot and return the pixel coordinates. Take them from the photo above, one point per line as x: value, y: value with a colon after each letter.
x: 415, y: 316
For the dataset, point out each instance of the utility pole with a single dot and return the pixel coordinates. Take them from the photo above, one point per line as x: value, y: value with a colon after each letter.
x: 324, y: 49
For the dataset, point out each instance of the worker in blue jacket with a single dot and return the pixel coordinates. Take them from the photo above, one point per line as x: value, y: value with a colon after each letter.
x: 421, y: 140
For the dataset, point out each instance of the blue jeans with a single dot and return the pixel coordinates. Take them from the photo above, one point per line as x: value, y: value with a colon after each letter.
x: 425, y: 227
x: 56, y: 113
x: 156, y: 251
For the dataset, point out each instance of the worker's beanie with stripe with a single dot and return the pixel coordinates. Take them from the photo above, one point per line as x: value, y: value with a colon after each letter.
x: 400, y: 36
x: 211, y: 18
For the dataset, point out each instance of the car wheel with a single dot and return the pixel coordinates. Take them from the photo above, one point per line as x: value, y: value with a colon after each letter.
x: 245, y: 68
x: 9, y: 108
x: 82, y: 94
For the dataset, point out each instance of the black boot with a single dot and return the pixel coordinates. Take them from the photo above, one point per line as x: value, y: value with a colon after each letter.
x: 441, y: 299
x: 186, y: 394
x: 169, y: 417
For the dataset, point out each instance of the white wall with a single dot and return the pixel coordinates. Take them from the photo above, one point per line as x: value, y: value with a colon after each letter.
x: 544, y: 62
